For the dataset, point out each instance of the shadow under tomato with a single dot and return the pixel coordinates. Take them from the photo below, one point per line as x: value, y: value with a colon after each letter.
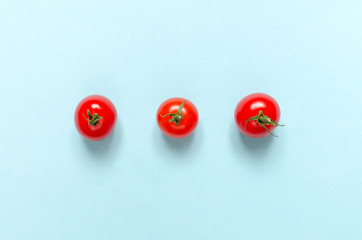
x: 178, y: 144
x: 178, y: 148
x: 104, y: 150
x: 256, y: 143
x: 256, y: 148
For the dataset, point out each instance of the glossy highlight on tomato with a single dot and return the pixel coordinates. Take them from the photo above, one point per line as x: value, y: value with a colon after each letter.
x: 257, y: 115
x: 177, y: 117
x: 95, y: 117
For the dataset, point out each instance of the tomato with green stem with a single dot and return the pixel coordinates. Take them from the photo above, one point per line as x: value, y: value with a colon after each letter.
x: 257, y: 115
x: 177, y: 117
x: 95, y: 117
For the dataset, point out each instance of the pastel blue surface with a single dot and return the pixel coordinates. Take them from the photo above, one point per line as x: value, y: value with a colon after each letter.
x: 216, y: 184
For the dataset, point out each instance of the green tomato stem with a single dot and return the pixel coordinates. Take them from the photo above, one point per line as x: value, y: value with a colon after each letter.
x: 263, y: 120
x: 176, y: 117
x: 93, y: 119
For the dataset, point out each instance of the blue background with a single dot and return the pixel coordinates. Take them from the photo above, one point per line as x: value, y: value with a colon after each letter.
x: 216, y: 184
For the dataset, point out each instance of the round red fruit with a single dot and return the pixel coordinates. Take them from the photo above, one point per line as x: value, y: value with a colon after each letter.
x: 257, y: 115
x: 177, y: 117
x: 95, y: 117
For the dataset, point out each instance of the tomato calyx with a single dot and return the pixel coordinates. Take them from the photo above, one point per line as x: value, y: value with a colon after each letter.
x: 263, y: 120
x: 93, y: 119
x: 176, y: 117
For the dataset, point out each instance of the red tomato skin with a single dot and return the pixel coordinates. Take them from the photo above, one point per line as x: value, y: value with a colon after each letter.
x: 249, y: 107
x: 104, y: 108
x: 187, y: 124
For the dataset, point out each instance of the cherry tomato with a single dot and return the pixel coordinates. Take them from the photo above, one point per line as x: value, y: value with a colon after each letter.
x: 177, y: 117
x: 95, y: 117
x: 257, y: 115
